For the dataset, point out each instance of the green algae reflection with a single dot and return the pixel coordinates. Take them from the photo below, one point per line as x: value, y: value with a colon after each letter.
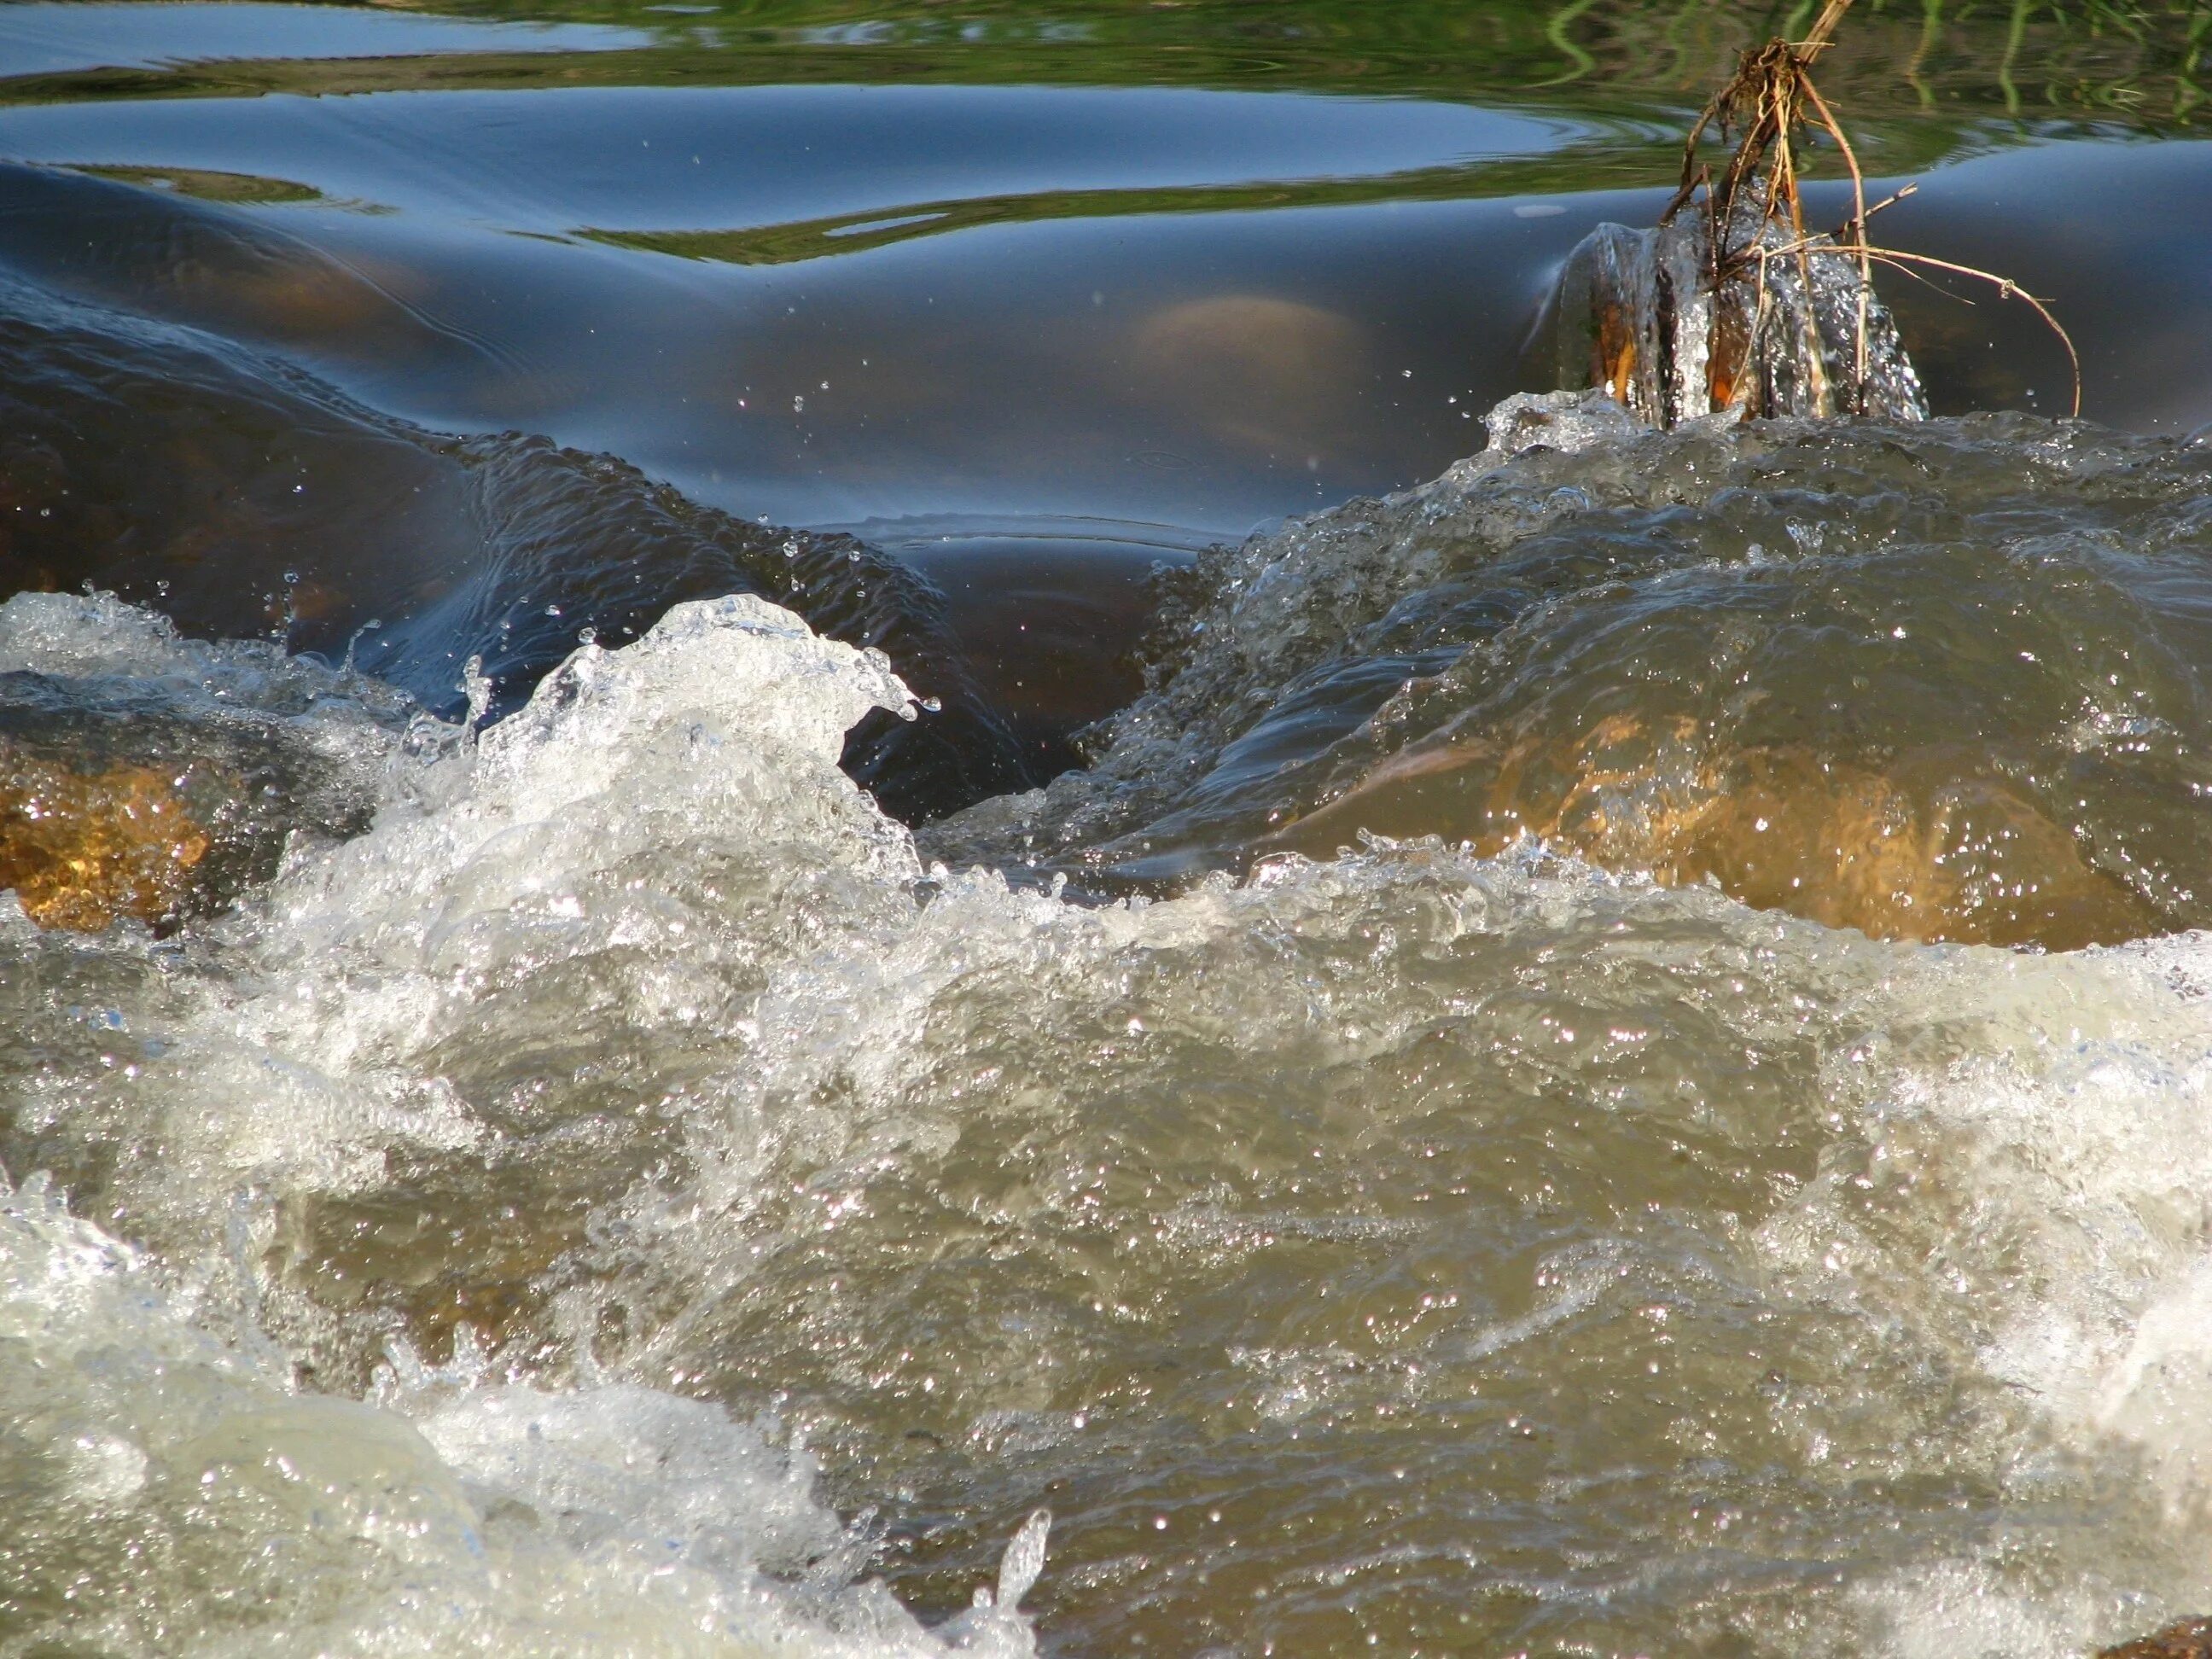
x: 2135, y: 66
x: 207, y: 185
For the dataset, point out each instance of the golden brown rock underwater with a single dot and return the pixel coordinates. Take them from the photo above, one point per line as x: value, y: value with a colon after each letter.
x: 82, y: 849
x: 2189, y: 1638
x: 1932, y: 847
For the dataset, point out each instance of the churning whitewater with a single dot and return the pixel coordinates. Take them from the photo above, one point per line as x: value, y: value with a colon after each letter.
x: 1459, y: 1134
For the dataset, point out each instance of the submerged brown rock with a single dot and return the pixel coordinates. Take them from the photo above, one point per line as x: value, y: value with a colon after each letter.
x: 1930, y: 847
x: 156, y: 779
x: 81, y: 849
x: 2189, y: 1638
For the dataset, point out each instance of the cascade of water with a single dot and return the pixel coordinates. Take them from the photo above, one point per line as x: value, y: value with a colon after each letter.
x: 1642, y: 315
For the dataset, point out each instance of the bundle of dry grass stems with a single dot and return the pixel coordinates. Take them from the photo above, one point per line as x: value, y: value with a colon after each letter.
x: 1730, y: 304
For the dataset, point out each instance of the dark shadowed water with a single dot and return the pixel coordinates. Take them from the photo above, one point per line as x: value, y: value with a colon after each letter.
x: 1600, y: 1050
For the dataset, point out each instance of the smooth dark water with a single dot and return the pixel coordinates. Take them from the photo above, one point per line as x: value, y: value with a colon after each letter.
x: 1604, y: 1054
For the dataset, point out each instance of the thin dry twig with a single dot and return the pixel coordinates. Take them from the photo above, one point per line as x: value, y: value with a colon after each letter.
x: 1858, y: 225
x: 2007, y: 289
x: 1765, y: 102
x: 1858, y: 215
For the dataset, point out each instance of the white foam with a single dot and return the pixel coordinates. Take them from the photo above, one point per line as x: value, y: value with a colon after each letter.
x: 99, y: 636
x: 658, y: 865
x: 661, y: 824
x: 461, y: 1514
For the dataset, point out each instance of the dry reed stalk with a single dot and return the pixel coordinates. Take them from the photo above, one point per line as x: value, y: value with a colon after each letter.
x: 1770, y: 102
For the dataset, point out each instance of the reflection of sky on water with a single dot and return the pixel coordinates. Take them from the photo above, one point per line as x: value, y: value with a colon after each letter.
x: 2116, y: 238
x: 45, y: 38
x: 1204, y: 370
x: 661, y: 158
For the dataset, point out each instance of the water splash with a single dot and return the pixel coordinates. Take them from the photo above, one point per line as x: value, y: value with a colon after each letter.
x: 1840, y: 668
x: 1638, y: 314
x: 1345, y: 1247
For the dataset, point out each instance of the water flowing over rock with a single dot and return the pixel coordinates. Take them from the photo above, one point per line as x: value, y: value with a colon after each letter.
x: 1703, y: 655
x: 1768, y: 325
x: 625, y: 1194
x: 147, y: 775
x: 238, y: 494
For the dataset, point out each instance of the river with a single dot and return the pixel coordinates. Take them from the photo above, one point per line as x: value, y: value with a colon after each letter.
x: 810, y: 856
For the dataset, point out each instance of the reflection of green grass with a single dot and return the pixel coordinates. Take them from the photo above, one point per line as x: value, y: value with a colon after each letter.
x: 209, y: 186
x: 1619, y: 166
x: 1625, y: 160
x: 2096, y: 53
x: 1556, y: 30
x: 2134, y: 61
x: 814, y: 238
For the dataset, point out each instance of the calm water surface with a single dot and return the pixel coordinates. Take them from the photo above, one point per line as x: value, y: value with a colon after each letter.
x: 1603, y: 1054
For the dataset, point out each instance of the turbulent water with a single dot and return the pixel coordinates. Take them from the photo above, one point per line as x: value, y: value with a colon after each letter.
x: 1477, y: 1155
x: 1939, y: 680
x: 228, y: 488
